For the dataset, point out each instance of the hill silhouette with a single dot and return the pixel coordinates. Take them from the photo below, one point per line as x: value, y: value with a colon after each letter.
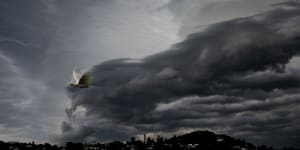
x: 210, y: 141
x: 199, y: 140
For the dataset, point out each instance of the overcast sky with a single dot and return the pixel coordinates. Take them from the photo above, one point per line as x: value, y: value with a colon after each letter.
x: 229, y: 66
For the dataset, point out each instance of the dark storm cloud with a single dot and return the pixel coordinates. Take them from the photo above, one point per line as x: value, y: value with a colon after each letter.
x: 236, y: 77
x: 195, y: 15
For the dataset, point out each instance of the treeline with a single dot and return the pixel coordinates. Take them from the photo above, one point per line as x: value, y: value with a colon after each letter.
x: 200, y: 140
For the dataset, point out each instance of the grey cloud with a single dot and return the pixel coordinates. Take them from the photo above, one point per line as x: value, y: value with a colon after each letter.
x: 19, y: 21
x: 78, y: 136
x: 197, y: 15
x: 10, y: 100
x: 236, y: 77
x: 41, y: 41
x: 26, y: 30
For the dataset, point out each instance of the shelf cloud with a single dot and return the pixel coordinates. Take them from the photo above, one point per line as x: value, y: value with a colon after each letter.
x: 238, y: 77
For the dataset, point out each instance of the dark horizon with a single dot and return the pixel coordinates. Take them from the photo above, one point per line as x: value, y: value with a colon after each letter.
x: 205, y: 140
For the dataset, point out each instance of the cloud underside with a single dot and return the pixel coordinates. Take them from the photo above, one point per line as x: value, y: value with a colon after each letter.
x: 239, y: 77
